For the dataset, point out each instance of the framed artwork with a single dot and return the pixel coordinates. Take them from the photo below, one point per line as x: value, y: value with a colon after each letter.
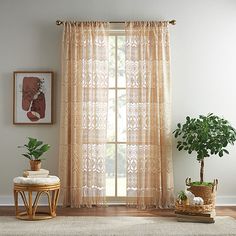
x: 32, y: 97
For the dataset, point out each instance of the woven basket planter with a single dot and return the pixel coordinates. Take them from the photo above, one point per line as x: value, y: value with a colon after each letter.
x: 207, y: 193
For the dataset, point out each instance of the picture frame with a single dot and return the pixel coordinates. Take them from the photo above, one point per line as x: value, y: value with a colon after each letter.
x: 32, y: 97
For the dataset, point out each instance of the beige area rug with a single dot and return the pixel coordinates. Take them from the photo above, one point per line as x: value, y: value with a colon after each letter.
x: 112, y: 226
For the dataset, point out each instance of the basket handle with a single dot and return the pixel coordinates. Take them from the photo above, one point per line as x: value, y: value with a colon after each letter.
x: 188, y: 181
x: 215, y: 184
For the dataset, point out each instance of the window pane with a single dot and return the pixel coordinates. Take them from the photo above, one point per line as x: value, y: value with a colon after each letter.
x: 110, y: 170
x: 112, y: 60
x: 121, y: 61
x: 121, y: 116
x: 111, y: 116
x: 121, y: 170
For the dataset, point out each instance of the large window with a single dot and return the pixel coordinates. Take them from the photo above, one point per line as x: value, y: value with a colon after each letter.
x: 116, y: 147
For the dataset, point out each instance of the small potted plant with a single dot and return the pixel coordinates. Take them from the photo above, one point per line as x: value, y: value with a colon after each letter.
x: 205, y: 135
x: 35, y: 150
x: 182, y: 198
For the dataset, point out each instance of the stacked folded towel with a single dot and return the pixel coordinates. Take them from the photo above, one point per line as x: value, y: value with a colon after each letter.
x: 42, y: 173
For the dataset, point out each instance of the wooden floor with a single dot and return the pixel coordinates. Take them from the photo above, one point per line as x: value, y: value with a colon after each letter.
x: 116, y: 211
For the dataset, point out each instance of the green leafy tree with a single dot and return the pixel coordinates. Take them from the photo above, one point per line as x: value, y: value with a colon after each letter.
x: 206, y: 135
x: 35, y: 149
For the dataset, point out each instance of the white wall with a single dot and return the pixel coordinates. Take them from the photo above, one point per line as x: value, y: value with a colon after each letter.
x: 203, y: 71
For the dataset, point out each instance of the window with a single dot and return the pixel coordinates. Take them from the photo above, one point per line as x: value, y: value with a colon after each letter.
x: 116, y: 130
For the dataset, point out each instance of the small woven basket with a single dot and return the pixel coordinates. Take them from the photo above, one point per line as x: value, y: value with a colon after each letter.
x: 193, y: 208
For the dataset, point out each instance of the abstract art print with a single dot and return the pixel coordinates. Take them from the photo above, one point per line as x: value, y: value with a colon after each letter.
x: 32, y: 97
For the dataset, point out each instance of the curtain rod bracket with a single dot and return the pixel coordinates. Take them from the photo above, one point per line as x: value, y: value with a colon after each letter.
x: 172, y: 22
x: 59, y: 22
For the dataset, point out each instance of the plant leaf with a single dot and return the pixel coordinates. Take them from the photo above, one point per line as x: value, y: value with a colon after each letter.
x: 27, y: 156
x: 221, y: 153
x: 226, y: 151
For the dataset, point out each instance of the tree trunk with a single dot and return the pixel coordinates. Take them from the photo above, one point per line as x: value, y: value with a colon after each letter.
x: 201, y: 170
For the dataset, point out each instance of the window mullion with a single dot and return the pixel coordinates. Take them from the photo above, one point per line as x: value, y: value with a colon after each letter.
x: 116, y: 111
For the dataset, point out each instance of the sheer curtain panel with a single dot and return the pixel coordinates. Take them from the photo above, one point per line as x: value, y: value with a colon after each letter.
x: 83, y: 120
x: 149, y: 157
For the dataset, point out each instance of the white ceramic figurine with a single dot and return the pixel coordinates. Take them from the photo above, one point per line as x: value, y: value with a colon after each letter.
x: 192, y: 199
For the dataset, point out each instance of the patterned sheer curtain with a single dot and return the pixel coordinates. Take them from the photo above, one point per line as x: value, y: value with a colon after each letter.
x: 83, y: 124
x: 149, y: 157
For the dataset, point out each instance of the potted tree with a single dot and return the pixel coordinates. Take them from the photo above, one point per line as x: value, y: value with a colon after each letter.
x: 205, y: 135
x: 35, y: 150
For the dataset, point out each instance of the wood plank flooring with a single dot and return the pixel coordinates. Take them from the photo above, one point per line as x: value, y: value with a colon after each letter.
x: 117, y: 211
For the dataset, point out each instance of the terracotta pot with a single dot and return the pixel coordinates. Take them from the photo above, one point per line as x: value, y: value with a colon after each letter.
x: 35, y: 165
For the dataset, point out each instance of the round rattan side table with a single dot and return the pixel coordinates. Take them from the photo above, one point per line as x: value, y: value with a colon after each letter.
x: 34, y: 188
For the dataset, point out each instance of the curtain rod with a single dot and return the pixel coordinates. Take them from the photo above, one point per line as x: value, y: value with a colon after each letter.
x: 172, y: 22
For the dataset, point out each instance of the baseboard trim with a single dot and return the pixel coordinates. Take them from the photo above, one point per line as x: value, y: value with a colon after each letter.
x: 226, y: 201
x: 7, y: 200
